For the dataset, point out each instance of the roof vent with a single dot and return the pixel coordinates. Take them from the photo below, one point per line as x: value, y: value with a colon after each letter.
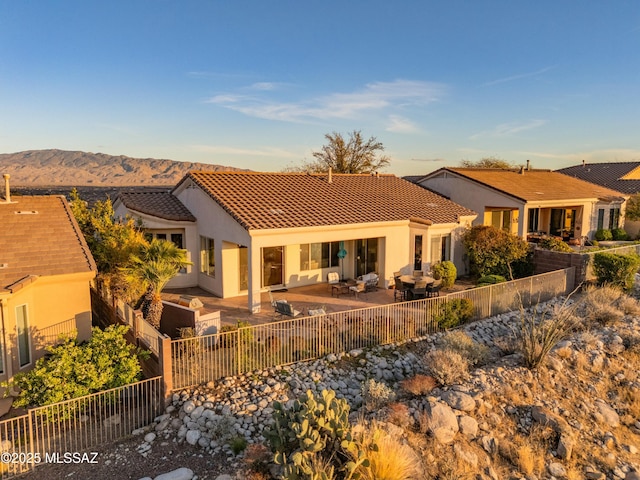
x: 26, y: 212
x: 4, y: 265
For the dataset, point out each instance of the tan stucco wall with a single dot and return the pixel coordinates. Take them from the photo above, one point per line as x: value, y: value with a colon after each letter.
x: 55, y: 305
x: 479, y: 198
x: 190, y: 237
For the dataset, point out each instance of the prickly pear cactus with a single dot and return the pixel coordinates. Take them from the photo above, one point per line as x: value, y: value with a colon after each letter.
x: 310, y: 428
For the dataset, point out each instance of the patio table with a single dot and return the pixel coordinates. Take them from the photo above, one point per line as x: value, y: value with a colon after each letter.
x: 411, y: 280
x: 339, y: 289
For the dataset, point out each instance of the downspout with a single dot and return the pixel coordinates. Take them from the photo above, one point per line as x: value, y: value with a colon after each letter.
x: 4, y: 316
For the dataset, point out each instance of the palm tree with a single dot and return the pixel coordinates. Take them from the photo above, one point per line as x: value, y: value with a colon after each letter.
x: 155, y: 264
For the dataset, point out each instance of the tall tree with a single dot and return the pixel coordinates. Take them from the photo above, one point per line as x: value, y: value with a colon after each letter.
x: 632, y: 212
x: 487, y: 162
x: 111, y: 241
x: 352, y: 155
x: 156, y: 263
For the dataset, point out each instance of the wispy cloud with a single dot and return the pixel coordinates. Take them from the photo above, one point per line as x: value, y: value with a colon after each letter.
x: 259, y: 152
x: 434, y: 160
x: 506, y: 129
x: 374, y: 97
x: 517, y: 77
x: 398, y: 124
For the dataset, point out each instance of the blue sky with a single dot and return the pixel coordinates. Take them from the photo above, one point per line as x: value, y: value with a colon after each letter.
x: 257, y: 84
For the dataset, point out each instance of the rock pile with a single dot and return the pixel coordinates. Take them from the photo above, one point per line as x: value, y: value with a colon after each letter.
x: 478, y: 418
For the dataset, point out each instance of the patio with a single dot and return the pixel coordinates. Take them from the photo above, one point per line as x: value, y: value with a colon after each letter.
x: 235, y: 309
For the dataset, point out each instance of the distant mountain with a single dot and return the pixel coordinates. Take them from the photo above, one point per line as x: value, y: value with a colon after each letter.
x: 61, y: 167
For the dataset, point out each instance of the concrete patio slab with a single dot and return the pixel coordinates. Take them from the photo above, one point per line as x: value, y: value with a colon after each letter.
x: 236, y: 309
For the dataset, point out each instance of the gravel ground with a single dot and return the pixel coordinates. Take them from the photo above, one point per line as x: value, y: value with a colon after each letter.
x: 120, y: 460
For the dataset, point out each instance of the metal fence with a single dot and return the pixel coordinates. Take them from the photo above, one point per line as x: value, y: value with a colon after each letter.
x: 139, y: 327
x: 201, y: 359
x: 54, y: 432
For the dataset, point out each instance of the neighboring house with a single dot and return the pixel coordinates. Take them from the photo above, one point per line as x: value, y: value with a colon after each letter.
x: 530, y: 203
x: 45, y: 274
x: 621, y: 176
x: 254, y: 231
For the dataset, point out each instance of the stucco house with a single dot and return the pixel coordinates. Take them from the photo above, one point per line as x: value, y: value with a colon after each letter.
x: 249, y: 231
x: 530, y: 202
x: 45, y: 274
x: 621, y: 176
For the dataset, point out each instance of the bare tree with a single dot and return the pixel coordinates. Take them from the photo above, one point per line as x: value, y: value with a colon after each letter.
x: 487, y: 162
x: 354, y: 155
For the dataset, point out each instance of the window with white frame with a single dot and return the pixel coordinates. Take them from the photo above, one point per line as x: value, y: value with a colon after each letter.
x: 534, y: 220
x: 614, y: 218
x: 207, y: 256
x: 501, y: 219
x: 440, y: 248
x: 24, y: 340
x: 319, y: 255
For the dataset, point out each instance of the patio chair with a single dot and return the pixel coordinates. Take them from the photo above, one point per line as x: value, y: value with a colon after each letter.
x: 419, y: 290
x: 433, y: 290
x: 333, y: 278
x: 285, y: 309
x: 317, y: 310
x: 358, y: 288
x: 371, y: 282
x: 418, y: 273
x: 400, y: 291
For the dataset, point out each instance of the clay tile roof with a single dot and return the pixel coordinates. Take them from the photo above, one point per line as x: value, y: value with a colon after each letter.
x: 620, y: 176
x: 159, y: 204
x: 39, y: 236
x: 535, y: 185
x: 289, y: 200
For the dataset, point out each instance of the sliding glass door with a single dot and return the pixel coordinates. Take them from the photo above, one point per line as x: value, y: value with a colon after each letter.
x: 366, y: 256
x: 272, y: 266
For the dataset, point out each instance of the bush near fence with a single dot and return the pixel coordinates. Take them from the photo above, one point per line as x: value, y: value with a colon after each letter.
x: 248, y: 348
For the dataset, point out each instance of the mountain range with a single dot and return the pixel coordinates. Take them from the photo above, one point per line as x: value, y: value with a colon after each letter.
x: 70, y: 168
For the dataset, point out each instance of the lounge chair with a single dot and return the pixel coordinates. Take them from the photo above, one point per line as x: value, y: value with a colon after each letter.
x: 371, y: 281
x: 358, y: 288
x: 285, y: 309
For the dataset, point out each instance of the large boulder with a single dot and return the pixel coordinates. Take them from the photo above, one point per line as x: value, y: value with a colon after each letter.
x: 459, y: 400
x: 443, y: 423
x: 546, y: 417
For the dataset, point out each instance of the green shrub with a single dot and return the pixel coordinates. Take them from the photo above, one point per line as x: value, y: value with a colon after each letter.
x: 555, y: 245
x: 494, y: 251
x: 238, y: 445
x: 603, y: 235
x: 73, y: 370
x: 454, y: 312
x: 616, y: 270
x: 445, y: 271
x: 490, y: 280
x: 619, y: 234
